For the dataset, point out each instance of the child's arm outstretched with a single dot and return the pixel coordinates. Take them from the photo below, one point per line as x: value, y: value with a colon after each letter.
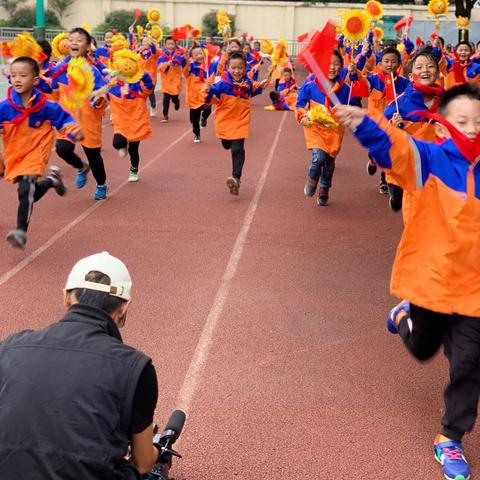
x: 393, y: 149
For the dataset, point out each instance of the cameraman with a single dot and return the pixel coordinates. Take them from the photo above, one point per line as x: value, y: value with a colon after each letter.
x: 73, y: 397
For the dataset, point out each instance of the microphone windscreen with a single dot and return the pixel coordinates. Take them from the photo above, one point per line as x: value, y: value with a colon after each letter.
x: 176, y: 422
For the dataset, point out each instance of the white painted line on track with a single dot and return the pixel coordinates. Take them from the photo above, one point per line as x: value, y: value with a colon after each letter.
x: 28, y: 260
x: 199, y: 359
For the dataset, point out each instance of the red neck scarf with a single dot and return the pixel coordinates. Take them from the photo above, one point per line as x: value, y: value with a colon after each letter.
x: 24, y: 112
x: 430, y: 91
x: 386, y: 79
x: 468, y: 148
x: 241, y: 90
x: 458, y: 69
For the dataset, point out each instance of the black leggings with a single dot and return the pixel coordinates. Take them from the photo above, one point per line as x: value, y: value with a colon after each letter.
x: 30, y: 190
x: 66, y: 151
x: 423, y: 334
x: 238, y: 155
x: 196, y: 114
x: 153, y: 100
x: 166, y: 102
x: 119, y: 141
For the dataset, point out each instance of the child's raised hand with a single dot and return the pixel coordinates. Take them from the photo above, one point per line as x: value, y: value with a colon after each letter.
x: 352, y: 68
x: 349, y: 116
x: 263, y: 83
x: 397, y: 120
x: 207, y: 87
x: 304, y: 121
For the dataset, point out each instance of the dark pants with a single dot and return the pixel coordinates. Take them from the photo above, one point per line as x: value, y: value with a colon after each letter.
x: 237, y: 148
x: 166, y: 102
x: 196, y: 114
x: 119, y: 141
x: 460, y: 337
x: 66, y: 151
x: 322, y: 167
x: 30, y: 190
x: 153, y: 100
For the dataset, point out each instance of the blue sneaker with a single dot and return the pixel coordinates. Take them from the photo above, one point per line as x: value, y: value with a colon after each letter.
x: 450, y: 455
x: 101, y: 192
x: 81, y: 179
x: 402, y: 306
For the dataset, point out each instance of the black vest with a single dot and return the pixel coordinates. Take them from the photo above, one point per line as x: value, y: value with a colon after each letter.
x: 66, y: 395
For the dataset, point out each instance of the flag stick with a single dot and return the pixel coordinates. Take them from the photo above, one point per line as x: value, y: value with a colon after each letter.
x: 394, y: 91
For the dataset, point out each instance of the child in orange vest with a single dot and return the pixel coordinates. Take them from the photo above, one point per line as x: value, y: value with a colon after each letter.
x: 171, y: 63
x: 232, y: 96
x: 436, y: 265
x: 27, y: 121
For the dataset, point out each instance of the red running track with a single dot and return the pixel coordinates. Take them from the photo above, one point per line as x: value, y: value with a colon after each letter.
x: 264, y: 314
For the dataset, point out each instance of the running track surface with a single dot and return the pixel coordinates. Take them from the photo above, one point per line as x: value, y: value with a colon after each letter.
x: 264, y: 314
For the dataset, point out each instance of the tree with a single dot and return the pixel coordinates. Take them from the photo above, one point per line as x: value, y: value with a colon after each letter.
x: 11, y: 5
x: 121, y: 20
x: 25, y: 18
x: 60, y: 7
x: 463, y: 8
x: 210, y: 25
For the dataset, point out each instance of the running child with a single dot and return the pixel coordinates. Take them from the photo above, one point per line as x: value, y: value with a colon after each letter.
x: 27, y: 121
x: 232, y: 96
x: 171, y: 63
x: 89, y: 118
x: 196, y: 75
x: 324, y: 140
x: 460, y: 69
x: 436, y: 265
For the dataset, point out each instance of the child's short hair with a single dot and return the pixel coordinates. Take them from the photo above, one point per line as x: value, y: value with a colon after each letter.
x: 170, y: 38
x: 469, y: 90
x: 274, y: 96
x: 83, y: 32
x: 463, y: 42
x: 287, y: 70
x: 195, y: 47
x: 427, y: 53
x: 29, y: 61
x: 442, y: 41
x: 237, y: 56
x: 393, y: 50
x: 337, y: 54
x: 46, y: 48
x: 235, y: 40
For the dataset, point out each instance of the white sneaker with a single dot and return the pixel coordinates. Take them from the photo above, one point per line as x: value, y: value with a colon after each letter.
x: 153, y: 112
x: 122, y: 152
x: 133, y: 176
x: 196, y: 139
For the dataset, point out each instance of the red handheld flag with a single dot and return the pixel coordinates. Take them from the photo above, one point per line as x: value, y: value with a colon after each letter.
x: 301, y: 38
x: 404, y: 22
x: 244, y: 35
x: 360, y: 89
x: 137, y: 14
x: 418, y: 42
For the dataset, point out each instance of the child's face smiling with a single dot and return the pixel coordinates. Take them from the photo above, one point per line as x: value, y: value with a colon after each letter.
x: 463, y: 52
x: 335, y: 68
x: 389, y: 62
x: 464, y: 114
x: 197, y: 55
x: 424, y: 71
x: 108, y: 38
x: 287, y: 76
x: 78, y: 45
x: 236, y: 68
x: 233, y: 47
x: 22, y: 77
x: 170, y: 45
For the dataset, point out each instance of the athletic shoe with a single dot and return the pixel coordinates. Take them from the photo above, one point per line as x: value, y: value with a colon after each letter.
x: 165, y: 119
x: 81, y: 179
x: 133, y: 176
x: 310, y: 187
x: 383, y: 189
x: 176, y: 103
x: 322, y: 200
x: 233, y: 185
x: 449, y: 454
x: 153, y: 111
x: 17, y: 238
x: 100, y: 192
x: 395, y: 204
x: 371, y: 168
x: 196, y: 139
x: 56, y: 176
x: 392, y: 323
x: 122, y: 152
x: 203, y: 122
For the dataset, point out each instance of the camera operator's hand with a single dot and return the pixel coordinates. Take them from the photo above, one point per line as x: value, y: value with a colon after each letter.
x: 144, y: 453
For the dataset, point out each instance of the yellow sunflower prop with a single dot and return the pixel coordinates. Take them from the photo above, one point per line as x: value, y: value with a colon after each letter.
x: 156, y: 33
x: 119, y: 42
x: 355, y: 25
x: 378, y: 33
x: 125, y: 65
x: 24, y: 45
x: 140, y: 31
x: 60, y: 45
x: 322, y: 117
x: 80, y: 83
x: 153, y: 15
x: 463, y: 23
x: 280, y: 56
x: 374, y: 9
x: 266, y: 46
x: 223, y: 24
x: 437, y: 7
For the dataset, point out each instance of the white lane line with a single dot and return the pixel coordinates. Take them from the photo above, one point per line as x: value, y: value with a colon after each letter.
x: 26, y: 261
x: 197, y: 365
